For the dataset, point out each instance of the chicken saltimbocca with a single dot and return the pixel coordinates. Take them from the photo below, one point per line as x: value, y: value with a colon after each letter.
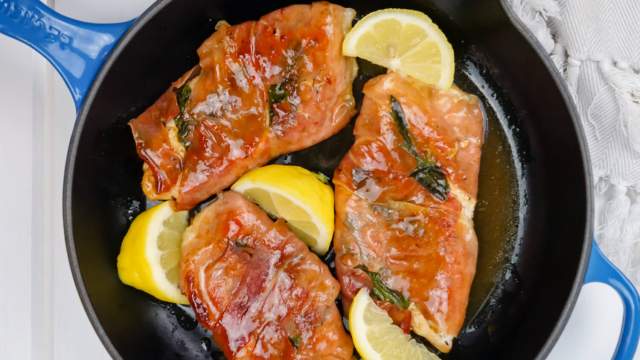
x: 405, y: 197
x: 261, y: 89
x: 258, y: 288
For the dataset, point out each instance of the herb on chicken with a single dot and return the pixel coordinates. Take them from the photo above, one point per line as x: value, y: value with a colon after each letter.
x: 429, y: 174
x: 183, y: 121
x: 382, y: 292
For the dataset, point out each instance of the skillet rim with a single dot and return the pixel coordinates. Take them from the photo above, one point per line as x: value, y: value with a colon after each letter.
x: 157, y: 6
x: 561, y: 84
x: 72, y: 150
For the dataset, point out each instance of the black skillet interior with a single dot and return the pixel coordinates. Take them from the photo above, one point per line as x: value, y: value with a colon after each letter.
x: 531, y: 218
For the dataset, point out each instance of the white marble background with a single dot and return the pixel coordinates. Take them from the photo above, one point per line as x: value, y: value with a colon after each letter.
x: 40, y: 312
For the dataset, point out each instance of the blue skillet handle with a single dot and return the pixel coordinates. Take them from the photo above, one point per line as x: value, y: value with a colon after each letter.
x: 602, y: 270
x: 76, y: 49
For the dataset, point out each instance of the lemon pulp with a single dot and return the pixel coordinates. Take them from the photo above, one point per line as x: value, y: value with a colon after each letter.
x: 149, y: 258
x: 296, y: 195
x: 405, y: 41
x: 376, y: 337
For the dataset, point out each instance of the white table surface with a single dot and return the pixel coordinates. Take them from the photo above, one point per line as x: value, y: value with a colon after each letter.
x: 40, y: 312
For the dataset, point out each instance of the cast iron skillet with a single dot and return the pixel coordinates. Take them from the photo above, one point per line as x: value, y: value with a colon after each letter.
x: 526, y: 284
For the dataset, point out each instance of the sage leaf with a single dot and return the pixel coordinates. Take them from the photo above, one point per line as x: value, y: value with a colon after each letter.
x: 382, y: 292
x: 429, y: 174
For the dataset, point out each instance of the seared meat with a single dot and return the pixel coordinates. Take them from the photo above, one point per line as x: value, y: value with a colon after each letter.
x: 405, y: 196
x: 261, y: 89
x: 258, y: 288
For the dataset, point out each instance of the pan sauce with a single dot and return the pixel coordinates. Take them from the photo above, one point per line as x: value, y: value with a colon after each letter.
x: 496, y: 215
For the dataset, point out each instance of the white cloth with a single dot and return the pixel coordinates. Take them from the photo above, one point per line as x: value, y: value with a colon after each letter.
x: 596, y: 46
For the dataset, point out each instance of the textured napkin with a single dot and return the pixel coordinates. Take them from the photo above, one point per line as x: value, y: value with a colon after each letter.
x: 595, y: 45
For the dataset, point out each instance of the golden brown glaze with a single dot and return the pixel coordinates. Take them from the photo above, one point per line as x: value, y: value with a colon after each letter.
x: 262, y: 89
x: 162, y: 163
x: 258, y: 288
x: 422, y: 247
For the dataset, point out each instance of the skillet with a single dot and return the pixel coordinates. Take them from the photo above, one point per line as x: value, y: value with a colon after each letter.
x: 535, y: 209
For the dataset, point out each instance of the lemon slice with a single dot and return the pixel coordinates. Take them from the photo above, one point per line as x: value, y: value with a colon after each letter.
x: 149, y: 257
x: 405, y: 41
x: 376, y: 337
x: 298, y: 196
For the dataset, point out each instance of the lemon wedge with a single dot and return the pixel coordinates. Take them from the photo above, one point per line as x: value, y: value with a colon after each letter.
x: 149, y: 258
x: 405, y: 41
x: 296, y: 195
x: 376, y: 337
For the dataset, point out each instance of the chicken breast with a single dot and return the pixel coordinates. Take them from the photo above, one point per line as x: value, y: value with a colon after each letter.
x: 405, y: 197
x: 258, y: 288
x: 261, y: 89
